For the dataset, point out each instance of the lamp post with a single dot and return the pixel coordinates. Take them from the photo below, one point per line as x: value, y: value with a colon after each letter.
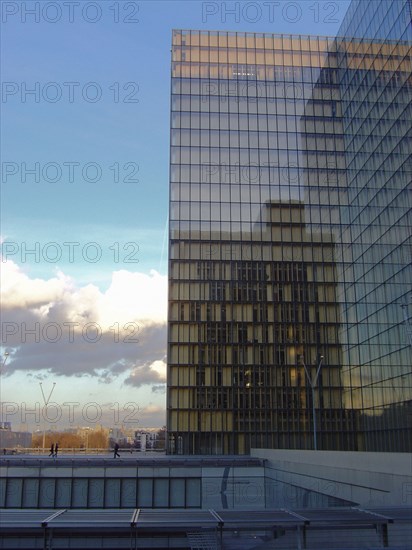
x: 313, y: 384
x: 3, y: 364
x: 408, y: 327
x: 46, y: 402
x: 6, y: 355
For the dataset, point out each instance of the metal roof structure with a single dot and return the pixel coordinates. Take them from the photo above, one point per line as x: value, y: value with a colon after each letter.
x: 196, y: 528
x: 233, y: 519
x: 347, y: 516
x: 184, y: 519
x: 177, y: 519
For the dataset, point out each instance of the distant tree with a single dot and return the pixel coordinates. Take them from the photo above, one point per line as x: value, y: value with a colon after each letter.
x: 64, y: 439
x: 67, y: 439
x: 98, y: 439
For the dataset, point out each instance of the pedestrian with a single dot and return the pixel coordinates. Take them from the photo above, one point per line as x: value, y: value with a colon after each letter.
x: 56, y: 449
x: 116, y: 450
x: 52, y: 450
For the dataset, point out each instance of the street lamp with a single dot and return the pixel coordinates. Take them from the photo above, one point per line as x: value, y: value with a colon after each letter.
x: 3, y: 364
x: 6, y: 356
x: 313, y: 384
x: 46, y: 402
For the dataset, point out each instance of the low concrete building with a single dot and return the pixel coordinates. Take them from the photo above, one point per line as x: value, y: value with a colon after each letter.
x: 274, y: 499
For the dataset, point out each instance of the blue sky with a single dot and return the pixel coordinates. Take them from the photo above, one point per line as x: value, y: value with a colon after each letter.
x: 109, y: 158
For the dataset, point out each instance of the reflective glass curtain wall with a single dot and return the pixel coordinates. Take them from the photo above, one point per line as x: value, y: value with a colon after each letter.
x: 290, y: 228
x: 257, y: 160
x: 375, y: 65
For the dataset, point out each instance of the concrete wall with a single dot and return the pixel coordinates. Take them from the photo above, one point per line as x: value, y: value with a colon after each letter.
x: 100, y: 483
x: 330, y: 478
x: 282, y: 478
x: 234, y: 488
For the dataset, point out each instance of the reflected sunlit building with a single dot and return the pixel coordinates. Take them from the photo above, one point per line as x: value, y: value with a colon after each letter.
x: 290, y: 238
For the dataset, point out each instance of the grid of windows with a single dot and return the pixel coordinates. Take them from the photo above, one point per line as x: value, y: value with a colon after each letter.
x: 377, y: 120
x: 267, y: 239
x: 256, y: 148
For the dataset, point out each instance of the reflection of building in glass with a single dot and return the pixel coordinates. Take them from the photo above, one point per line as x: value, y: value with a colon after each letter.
x: 258, y: 305
x: 270, y: 232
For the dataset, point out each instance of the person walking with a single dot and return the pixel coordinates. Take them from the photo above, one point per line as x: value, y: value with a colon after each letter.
x: 116, y: 450
x: 56, y: 450
x: 52, y: 450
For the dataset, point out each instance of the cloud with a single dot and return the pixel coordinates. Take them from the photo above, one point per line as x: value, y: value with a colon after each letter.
x: 160, y: 389
x: 57, y: 326
x: 151, y: 415
x: 19, y: 291
x: 147, y: 374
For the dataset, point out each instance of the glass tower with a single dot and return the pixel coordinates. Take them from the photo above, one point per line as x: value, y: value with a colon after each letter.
x: 375, y: 77
x: 289, y: 167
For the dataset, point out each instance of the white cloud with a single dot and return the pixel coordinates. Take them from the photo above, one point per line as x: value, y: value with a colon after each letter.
x: 144, y: 296
x: 19, y: 291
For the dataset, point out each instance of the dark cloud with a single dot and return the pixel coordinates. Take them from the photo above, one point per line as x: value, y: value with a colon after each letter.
x: 104, y: 359
x: 161, y: 389
x: 144, y: 375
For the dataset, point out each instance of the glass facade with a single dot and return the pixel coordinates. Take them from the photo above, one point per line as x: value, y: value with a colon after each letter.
x: 274, y: 221
x: 376, y: 93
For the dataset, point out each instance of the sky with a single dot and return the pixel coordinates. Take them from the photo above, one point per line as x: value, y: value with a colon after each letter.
x: 85, y: 112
